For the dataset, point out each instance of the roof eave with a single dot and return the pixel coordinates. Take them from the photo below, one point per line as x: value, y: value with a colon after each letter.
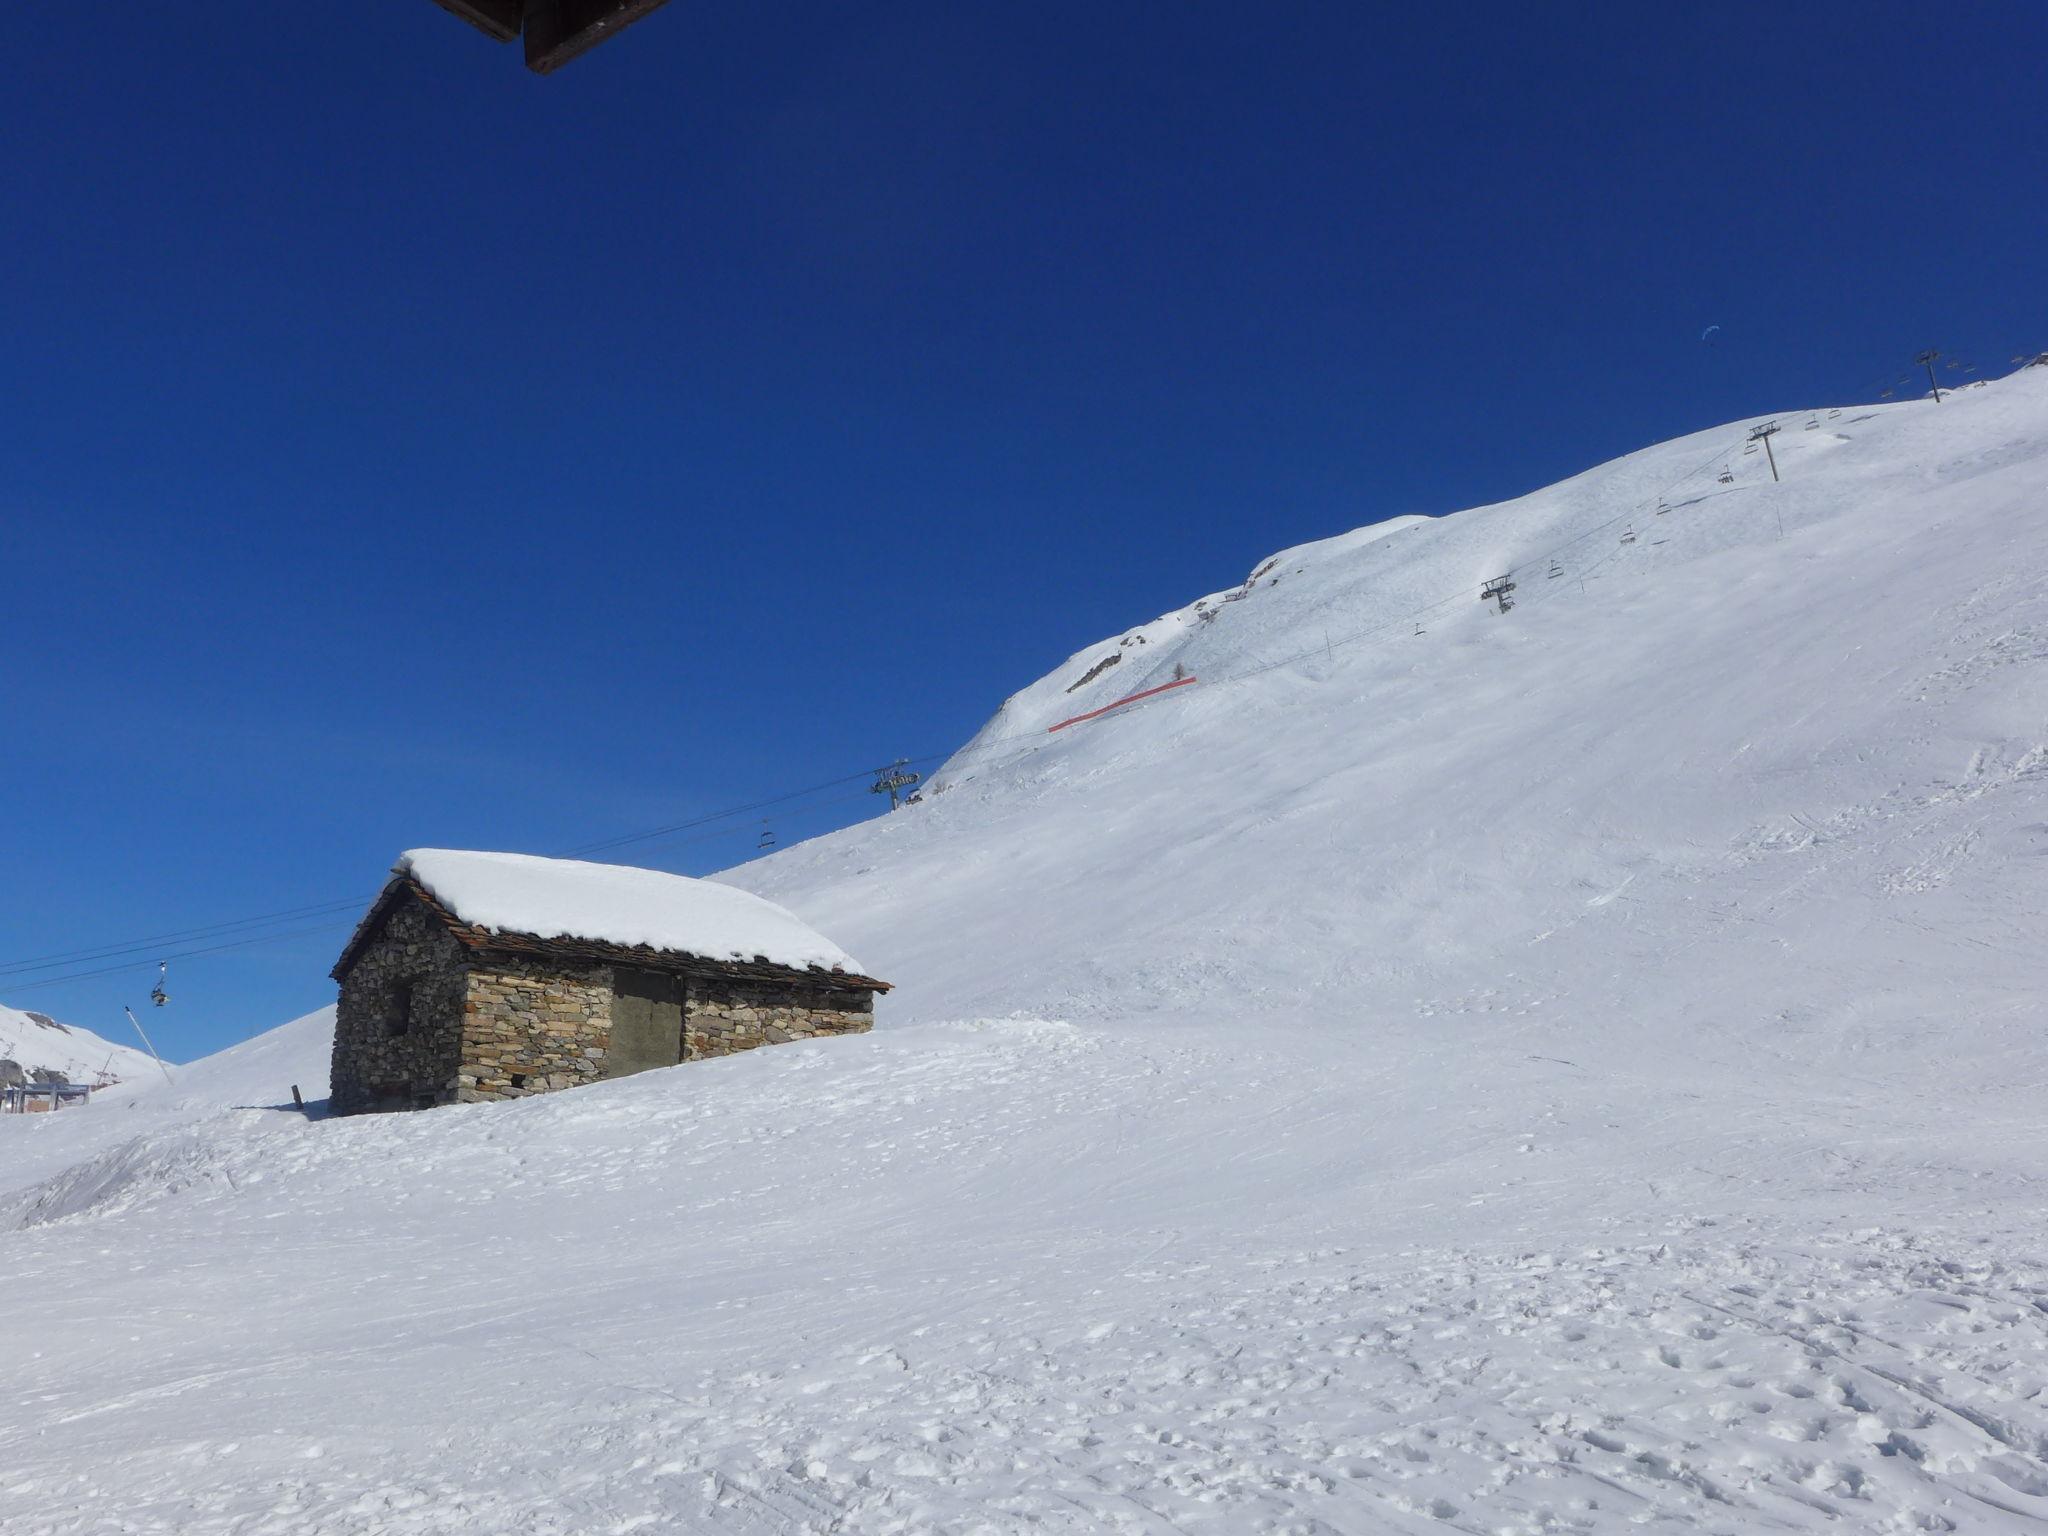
x: 489, y: 941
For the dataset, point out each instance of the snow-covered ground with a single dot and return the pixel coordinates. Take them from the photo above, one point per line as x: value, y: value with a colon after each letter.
x: 1576, y: 1070
x: 255, y: 1074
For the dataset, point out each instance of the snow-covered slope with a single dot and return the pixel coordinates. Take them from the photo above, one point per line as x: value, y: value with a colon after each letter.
x: 35, y: 1042
x: 1575, y: 1070
x: 254, y: 1074
x: 1722, y: 794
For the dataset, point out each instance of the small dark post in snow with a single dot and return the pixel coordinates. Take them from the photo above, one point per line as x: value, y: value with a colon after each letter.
x: 1926, y: 360
x: 298, y: 1098
x: 1763, y: 434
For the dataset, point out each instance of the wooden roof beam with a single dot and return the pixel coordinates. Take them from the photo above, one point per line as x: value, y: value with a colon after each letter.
x: 559, y: 30
x: 556, y: 30
x: 495, y: 18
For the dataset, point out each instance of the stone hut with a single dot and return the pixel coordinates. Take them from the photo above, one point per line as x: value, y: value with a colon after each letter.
x: 497, y: 975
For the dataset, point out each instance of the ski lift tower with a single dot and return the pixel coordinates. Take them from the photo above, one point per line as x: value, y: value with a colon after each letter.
x: 1762, y: 435
x: 1926, y: 360
x: 894, y: 779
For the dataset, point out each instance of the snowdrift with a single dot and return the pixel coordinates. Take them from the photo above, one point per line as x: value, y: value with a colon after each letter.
x: 1574, y: 1069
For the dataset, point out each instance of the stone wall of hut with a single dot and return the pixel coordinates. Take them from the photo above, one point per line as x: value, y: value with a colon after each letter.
x: 397, y: 1024
x: 423, y: 1021
x: 530, y: 1026
x: 723, y: 1016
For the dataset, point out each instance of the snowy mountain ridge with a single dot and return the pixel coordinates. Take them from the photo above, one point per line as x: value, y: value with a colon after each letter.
x: 1358, y: 586
x: 1574, y: 1069
x: 43, y: 1050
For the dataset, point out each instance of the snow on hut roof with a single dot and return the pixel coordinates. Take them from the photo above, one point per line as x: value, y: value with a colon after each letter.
x: 617, y: 904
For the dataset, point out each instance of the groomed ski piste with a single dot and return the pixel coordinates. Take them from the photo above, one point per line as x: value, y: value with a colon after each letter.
x: 1577, y: 1069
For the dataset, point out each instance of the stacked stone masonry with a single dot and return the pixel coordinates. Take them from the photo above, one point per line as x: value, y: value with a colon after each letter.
x: 396, y: 1042
x: 423, y: 1020
x: 528, y: 1028
x: 722, y: 1016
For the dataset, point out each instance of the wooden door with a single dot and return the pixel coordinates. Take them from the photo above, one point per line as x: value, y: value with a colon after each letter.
x: 647, y: 1022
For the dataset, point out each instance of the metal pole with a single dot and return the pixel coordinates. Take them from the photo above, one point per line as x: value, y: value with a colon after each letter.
x: 1763, y: 434
x: 1926, y: 360
x: 145, y: 1040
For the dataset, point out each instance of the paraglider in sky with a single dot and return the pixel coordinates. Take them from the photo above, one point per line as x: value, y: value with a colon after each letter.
x: 1708, y: 334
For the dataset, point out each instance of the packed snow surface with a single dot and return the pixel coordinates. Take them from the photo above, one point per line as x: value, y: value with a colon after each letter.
x: 1576, y: 1070
x: 617, y: 904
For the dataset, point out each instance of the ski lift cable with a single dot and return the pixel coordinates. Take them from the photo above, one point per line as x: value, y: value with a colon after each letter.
x: 356, y: 905
x: 155, y: 941
x: 239, y: 926
x: 1579, y: 538
x: 1029, y: 741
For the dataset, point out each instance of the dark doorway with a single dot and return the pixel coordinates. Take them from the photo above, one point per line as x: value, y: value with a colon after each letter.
x: 647, y: 1022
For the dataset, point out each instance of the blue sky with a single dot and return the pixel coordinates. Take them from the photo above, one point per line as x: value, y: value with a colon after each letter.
x: 401, y: 449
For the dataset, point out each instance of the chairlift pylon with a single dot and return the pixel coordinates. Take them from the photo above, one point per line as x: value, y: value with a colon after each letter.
x: 892, y: 780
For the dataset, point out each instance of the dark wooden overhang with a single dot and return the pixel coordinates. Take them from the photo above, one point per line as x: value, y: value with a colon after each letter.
x: 485, y: 942
x: 556, y: 31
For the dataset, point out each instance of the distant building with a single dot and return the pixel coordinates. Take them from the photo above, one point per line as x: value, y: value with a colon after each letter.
x: 35, y: 1098
x: 496, y: 975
